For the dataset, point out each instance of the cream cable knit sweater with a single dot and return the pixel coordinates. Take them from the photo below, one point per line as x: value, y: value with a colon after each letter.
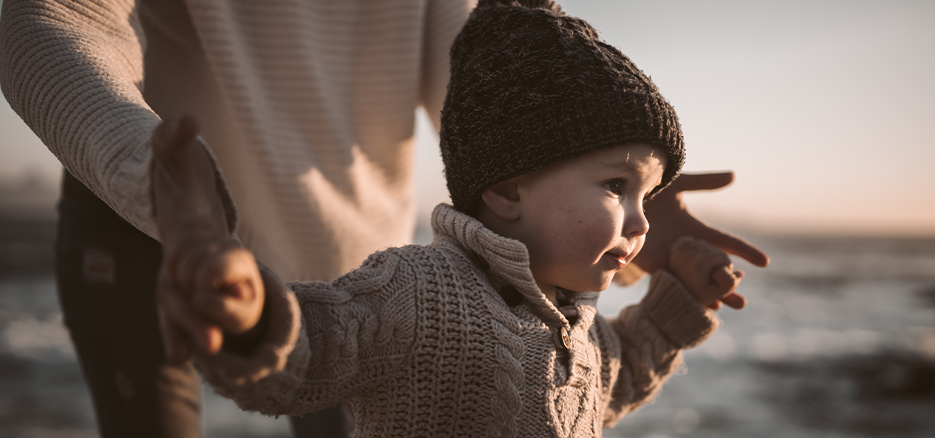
x: 422, y: 344
x: 307, y: 105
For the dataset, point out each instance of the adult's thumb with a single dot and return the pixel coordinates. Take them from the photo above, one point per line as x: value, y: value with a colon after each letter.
x: 171, y: 136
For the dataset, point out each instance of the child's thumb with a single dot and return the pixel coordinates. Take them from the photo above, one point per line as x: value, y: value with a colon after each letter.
x: 725, y: 277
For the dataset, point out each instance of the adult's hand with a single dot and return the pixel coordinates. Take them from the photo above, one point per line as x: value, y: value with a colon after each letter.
x: 204, y: 277
x: 670, y: 219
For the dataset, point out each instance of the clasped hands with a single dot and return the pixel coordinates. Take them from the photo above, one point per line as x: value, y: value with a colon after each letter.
x: 209, y: 288
x: 670, y: 221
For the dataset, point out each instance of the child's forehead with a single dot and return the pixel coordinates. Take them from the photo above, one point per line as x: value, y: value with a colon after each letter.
x: 631, y: 156
x: 640, y: 161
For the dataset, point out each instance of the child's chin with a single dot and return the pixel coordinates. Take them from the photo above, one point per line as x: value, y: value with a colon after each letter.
x: 599, y: 286
x: 595, y: 282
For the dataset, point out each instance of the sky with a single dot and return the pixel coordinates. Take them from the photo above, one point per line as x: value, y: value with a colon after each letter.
x: 822, y: 109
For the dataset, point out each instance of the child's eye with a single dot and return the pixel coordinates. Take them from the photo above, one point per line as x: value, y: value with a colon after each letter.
x: 614, y: 186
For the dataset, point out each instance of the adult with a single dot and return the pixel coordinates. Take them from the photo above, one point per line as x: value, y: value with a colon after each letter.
x: 307, y: 107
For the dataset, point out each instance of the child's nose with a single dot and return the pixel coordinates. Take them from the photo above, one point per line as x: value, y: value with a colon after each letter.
x: 635, y: 224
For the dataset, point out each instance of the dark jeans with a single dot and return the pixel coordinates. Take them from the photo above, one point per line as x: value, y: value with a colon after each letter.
x: 106, y: 272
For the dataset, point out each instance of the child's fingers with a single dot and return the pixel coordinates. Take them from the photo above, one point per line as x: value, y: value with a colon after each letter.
x: 189, y: 262
x: 707, y: 272
x: 690, y: 251
x: 231, y: 267
x: 724, y: 278
x: 230, y: 314
x: 231, y: 293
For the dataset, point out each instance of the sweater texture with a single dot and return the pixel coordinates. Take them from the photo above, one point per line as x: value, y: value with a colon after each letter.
x: 421, y: 342
x: 308, y: 107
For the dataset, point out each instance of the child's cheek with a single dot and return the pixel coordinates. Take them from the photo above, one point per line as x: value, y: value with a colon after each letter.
x: 599, y: 233
x: 637, y: 246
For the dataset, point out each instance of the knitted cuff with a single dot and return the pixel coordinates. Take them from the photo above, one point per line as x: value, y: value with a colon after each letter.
x: 230, y: 369
x: 680, y: 318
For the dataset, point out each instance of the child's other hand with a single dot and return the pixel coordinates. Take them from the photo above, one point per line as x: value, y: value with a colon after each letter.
x: 706, y: 272
x: 207, y: 285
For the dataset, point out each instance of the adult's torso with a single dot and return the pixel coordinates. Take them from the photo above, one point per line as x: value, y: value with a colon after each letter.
x: 309, y: 108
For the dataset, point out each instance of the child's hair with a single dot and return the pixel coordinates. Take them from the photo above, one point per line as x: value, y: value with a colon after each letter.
x: 530, y: 87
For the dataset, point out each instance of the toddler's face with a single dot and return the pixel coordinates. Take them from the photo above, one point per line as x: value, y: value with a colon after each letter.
x: 582, y: 220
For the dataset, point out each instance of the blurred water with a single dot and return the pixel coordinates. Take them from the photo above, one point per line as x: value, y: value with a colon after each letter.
x: 838, y: 341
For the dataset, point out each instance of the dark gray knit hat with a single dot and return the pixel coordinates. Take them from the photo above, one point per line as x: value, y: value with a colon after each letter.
x: 531, y: 87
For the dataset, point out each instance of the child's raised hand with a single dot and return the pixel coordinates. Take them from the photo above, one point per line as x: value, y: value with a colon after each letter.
x: 706, y: 272
x: 208, y: 286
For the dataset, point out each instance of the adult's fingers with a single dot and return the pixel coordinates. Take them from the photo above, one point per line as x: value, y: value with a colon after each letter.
x: 737, y: 246
x: 735, y: 300
x: 702, y: 181
x: 177, y: 310
x: 176, y: 344
x: 184, y: 192
x: 171, y: 135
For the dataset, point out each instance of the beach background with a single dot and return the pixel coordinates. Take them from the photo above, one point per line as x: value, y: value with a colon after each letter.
x: 822, y: 108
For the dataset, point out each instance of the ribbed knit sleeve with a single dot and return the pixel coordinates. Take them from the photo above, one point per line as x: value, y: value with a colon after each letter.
x: 675, y: 312
x: 443, y: 20
x: 355, y: 334
x: 651, y: 337
x: 73, y: 70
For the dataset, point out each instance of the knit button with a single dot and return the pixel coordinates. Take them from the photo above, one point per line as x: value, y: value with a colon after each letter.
x: 565, y: 340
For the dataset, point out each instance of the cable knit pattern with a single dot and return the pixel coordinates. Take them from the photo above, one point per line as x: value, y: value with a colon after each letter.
x: 307, y: 105
x: 421, y: 344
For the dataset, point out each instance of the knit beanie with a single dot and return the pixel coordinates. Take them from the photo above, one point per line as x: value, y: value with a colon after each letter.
x: 531, y: 87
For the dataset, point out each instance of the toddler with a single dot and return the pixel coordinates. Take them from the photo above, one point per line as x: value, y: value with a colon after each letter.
x: 552, y: 142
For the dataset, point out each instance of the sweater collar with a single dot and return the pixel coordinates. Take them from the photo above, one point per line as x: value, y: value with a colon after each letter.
x: 505, y: 260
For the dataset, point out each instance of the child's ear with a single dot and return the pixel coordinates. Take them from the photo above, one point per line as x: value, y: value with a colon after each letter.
x: 503, y: 199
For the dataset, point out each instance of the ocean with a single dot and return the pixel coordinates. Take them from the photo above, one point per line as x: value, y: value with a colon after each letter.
x: 838, y: 341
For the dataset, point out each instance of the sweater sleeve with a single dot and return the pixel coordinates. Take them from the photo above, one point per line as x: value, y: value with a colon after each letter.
x: 644, y: 343
x: 325, y: 342
x: 73, y: 70
x: 443, y: 21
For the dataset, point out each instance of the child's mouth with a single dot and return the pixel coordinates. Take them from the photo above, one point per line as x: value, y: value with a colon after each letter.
x: 620, y: 260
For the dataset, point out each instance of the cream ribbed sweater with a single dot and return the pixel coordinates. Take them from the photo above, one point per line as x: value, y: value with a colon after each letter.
x: 308, y: 107
x: 422, y: 345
